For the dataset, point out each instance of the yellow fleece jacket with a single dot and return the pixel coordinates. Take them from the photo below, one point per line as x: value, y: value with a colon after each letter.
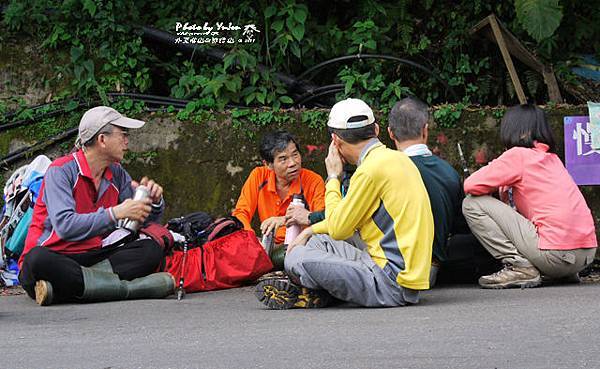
x: 388, y: 205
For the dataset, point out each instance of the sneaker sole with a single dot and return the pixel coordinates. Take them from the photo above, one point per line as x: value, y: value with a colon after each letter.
x: 531, y: 283
x: 43, y: 293
x: 278, y: 294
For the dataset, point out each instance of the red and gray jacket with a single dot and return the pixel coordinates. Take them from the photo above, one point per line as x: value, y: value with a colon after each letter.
x: 70, y: 216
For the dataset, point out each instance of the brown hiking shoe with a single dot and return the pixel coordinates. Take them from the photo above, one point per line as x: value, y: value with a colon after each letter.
x: 43, y: 293
x: 512, y: 277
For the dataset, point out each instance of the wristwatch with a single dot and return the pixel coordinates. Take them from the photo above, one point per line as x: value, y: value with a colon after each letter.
x: 331, y: 176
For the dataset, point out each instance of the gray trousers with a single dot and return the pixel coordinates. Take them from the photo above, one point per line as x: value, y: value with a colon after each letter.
x: 512, y: 238
x: 346, y: 272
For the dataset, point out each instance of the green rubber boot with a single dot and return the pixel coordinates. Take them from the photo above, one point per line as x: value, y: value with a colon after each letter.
x: 153, y: 286
x: 100, y: 285
x: 104, y: 266
x: 278, y: 256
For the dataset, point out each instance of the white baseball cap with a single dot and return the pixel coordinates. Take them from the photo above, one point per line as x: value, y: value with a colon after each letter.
x: 350, y: 113
x: 94, y: 119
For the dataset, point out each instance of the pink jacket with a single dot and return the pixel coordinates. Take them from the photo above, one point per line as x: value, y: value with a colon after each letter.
x: 543, y: 192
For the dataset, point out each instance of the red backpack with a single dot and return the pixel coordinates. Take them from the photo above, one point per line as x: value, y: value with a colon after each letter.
x: 224, y: 256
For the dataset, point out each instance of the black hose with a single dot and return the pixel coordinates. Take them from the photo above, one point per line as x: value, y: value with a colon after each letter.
x: 13, y: 157
x: 323, y: 92
x: 168, y: 39
x: 13, y: 113
x: 303, y: 98
x: 151, y: 99
x: 23, y: 152
x: 142, y: 96
x: 379, y: 56
x: 49, y: 114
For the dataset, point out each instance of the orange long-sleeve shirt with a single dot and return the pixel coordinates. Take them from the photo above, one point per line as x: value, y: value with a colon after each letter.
x: 260, y: 192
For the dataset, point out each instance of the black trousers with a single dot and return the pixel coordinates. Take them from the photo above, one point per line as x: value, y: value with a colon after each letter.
x: 467, y: 260
x: 132, y: 260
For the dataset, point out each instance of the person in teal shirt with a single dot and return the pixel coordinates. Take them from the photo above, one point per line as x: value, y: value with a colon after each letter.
x: 455, y: 249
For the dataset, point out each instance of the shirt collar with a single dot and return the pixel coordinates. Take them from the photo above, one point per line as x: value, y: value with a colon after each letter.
x: 295, y: 187
x: 417, y: 150
x: 540, y: 146
x: 84, y: 167
x: 373, y: 143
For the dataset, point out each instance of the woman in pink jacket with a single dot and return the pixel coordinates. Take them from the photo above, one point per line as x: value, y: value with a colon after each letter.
x: 541, y: 224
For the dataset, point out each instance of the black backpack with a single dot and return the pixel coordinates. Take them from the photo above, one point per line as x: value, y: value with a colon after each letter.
x: 191, y: 226
x: 199, y: 228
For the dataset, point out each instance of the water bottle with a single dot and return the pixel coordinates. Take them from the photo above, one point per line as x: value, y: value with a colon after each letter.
x: 268, y: 242
x: 293, y: 231
x: 141, y: 193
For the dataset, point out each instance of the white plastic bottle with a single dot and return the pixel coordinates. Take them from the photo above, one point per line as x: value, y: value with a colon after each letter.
x: 293, y: 231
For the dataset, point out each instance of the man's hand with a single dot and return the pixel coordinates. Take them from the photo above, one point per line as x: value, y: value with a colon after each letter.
x: 271, y: 224
x: 133, y: 209
x: 296, y: 214
x: 301, y: 240
x: 154, y: 189
x: 334, y: 162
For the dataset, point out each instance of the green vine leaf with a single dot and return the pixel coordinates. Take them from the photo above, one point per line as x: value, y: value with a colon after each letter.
x: 90, y: 6
x: 277, y: 26
x: 270, y: 11
x: 300, y: 15
x: 540, y: 18
x: 298, y: 32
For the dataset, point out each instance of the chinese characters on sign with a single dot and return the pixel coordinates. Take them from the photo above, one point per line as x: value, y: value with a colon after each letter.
x: 582, y: 161
x: 217, y: 33
x: 594, y: 124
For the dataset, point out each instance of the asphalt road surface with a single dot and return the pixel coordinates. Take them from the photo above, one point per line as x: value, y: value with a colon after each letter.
x: 452, y: 327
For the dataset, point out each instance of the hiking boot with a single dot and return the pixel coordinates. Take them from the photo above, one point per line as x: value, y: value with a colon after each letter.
x: 278, y: 292
x: 512, y: 277
x: 43, y: 293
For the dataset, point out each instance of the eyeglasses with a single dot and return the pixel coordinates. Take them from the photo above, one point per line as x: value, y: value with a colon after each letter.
x: 125, y: 134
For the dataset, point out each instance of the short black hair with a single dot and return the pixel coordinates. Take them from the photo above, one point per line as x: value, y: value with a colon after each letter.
x: 275, y: 142
x: 108, y: 128
x: 354, y: 135
x: 407, y: 118
x: 524, y: 124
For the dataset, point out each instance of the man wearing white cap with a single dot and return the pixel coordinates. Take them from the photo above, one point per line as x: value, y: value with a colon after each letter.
x: 374, y: 246
x: 83, y: 197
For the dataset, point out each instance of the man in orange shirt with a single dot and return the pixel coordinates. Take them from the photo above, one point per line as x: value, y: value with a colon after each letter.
x: 269, y: 188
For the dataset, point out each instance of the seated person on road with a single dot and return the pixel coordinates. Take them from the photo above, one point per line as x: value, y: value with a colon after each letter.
x: 374, y: 246
x: 454, y: 247
x: 83, y: 197
x: 269, y: 188
x: 541, y: 224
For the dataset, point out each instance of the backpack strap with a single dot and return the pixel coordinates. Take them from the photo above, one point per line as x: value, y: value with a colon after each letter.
x: 160, y: 234
x: 219, y: 225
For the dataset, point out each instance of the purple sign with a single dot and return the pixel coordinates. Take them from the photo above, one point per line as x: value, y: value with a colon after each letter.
x: 583, y: 162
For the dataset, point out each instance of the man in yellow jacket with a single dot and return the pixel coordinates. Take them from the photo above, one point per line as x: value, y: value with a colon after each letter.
x: 374, y: 246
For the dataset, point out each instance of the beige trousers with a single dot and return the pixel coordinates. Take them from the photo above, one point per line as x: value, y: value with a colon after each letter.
x: 513, y: 239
